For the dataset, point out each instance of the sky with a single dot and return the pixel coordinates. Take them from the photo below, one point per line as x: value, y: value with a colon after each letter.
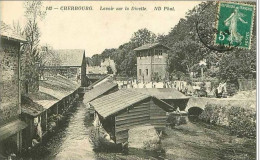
x: 97, y: 29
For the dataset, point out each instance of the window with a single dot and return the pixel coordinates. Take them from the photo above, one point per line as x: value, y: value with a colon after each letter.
x: 140, y: 72
x: 147, y: 72
x: 160, y: 52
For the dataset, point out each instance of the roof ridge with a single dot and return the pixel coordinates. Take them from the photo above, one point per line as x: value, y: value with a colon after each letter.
x: 9, y: 33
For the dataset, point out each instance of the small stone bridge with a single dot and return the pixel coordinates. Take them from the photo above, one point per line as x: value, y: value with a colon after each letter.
x: 198, y: 104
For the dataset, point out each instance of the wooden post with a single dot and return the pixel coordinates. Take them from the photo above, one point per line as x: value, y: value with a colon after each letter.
x: 202, y: 73
x: 64, y: 104
x: 151, y: 65
x: 19, y: 82
x: 46, y: 114
x: 57, y: 105
x: 19, y: 141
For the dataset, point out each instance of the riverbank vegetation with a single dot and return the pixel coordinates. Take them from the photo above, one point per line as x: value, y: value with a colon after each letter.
x: 200, y: 140
x: 239, y: 120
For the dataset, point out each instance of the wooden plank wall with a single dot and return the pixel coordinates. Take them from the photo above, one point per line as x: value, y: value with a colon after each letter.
x: 157, y: 115
x: 138, y: 115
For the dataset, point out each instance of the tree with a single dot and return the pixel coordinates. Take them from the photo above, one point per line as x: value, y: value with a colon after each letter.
x: 143, y: 36
x: 124, y: 56
x: 31, y: 58
x: 33, y: 13
x: 18, y: 28
x: 184, y: 55
x: 237, y: 64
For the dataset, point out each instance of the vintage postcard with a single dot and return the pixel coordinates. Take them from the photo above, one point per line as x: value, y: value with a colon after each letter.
x: 83, y: 80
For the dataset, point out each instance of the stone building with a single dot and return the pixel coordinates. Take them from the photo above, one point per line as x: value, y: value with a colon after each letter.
x: 109, y: 63
x: 103, y: 68
x: 151, y: 62
x: 10, y: 92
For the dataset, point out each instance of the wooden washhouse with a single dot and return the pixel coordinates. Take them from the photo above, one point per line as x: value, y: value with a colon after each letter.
x: 125, y: 109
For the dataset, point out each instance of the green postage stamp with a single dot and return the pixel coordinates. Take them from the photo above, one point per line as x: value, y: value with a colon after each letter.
x: 235, y: 24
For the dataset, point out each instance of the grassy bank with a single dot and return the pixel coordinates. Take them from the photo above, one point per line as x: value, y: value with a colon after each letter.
x: 199, y: 140
x: 241, y: 121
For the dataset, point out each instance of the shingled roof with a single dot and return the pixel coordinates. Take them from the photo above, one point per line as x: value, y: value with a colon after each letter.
x: 113, y: 103
x: 8, y: 33
x: 150, y: 46
x: 70, y: 57
x: 51, y: 91
x: 99, y: 90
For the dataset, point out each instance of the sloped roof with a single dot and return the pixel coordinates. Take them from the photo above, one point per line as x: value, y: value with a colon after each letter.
x: 97, y: 76
x: 120, y: 100
x: 11, y: 128
x: 99, y: 90
x: 70, y: 57
x: 50, y: 92
x: 32, y: 109
x: 149, y: 46
x: 30, y: 103
x: 58, y: 86
x: 7, y: 32
x: 162, y: 93
x: 46, y: 103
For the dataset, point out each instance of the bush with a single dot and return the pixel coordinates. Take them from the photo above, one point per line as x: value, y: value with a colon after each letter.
x: 176, y: 120
x: 214, y: 114
x: 241, y: 121
x: 231, y: 89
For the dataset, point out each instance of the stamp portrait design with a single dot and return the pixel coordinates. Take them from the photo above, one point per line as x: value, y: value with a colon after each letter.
x: 235, y: 21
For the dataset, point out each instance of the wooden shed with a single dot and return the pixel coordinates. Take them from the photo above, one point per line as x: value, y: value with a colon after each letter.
x: 122, y: 110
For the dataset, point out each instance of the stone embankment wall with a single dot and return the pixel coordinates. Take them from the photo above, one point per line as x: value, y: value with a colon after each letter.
x: 8, y: 81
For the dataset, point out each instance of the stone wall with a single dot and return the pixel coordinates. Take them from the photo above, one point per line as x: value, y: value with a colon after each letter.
x: 159, y: 64
x: 8, y: 80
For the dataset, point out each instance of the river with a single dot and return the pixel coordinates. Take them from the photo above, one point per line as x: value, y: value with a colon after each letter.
x: 187, y: 140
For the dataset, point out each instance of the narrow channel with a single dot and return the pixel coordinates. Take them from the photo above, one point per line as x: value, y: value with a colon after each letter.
x: 188, y: 139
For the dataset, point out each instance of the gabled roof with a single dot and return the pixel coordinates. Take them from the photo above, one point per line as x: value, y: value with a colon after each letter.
x: 70, y: 57
x: 162, y: 93
x: 149, y: 46
x: 113, y: 103
x: 7, y: 32
x: 98, y: 91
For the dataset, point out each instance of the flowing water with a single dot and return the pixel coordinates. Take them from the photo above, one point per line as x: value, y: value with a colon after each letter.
x: 187, y: 140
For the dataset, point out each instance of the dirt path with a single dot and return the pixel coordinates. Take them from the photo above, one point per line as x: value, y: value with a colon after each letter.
x: 201, y: 141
